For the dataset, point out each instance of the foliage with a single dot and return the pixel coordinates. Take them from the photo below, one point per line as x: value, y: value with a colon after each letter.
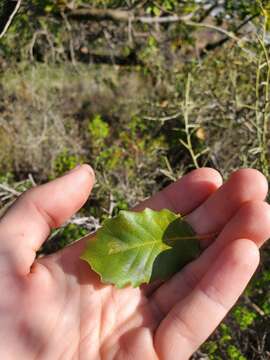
x: 62, y: 237
x: 65, y: 162
x: 244, y: 316
x: 234, y: 353
x: 98, y: 129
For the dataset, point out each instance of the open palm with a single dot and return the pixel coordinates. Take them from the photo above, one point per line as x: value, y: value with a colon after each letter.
x: 56, y: 308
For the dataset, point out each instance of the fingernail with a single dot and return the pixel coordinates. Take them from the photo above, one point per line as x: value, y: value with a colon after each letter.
x: 89, y: 169
x: 86, y: 167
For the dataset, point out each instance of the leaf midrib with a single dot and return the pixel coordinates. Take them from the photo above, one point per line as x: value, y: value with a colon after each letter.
x: 163, y: 245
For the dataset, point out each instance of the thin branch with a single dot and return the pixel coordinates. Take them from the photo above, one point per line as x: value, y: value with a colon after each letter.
x: 88, y: 222
x: 10, y: 9
x: 10, y: 190
x: 254, y: 306
x: 122, y: 15
x: 186, y: 112
x: 222, y: 41
x: 162, y: 19
x: 163, y: 119
x: 100, y: 14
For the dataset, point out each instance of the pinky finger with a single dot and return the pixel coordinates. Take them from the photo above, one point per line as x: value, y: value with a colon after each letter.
x: 193, y: 319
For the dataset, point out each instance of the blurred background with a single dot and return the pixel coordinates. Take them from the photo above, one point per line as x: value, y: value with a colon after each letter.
x: 144, y: 91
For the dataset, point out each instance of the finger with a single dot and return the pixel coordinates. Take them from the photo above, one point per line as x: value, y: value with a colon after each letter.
x: 244, y: 185
x: 187, y: 193
x: 252, y: 221
x: 28, y: 223
x: 212, y: 215
x: 193, y: 319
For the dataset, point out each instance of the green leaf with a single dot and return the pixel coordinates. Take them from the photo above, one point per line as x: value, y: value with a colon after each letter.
x: 156, y: 11
x: 138, y: 247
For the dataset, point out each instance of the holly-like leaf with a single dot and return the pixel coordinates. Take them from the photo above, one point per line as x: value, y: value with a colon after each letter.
x: 138, y: 247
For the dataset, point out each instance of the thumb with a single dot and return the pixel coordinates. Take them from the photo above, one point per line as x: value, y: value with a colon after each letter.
x: 28, y: 223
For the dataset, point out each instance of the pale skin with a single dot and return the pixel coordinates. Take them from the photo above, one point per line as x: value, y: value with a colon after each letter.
x: 56, y: 308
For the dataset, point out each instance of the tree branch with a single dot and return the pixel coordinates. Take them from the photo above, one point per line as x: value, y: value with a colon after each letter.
x: 100, y: 14
x: 94, y: 14
x: 127, y: 16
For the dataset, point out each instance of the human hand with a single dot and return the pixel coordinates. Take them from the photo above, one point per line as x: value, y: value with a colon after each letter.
x: 56, y: 308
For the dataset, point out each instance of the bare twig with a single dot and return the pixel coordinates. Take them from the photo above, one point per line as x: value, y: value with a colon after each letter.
x: 34, y: 39
x: 30, y: 177
x: 10, y: 9
x: 165, y: 118
x: 10, y: 190
x: 88, y: 222
x: 99, y: 14
x: 186, y: 107
x: 254, y: 306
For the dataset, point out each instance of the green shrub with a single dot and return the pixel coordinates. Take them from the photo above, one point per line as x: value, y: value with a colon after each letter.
x: 99, y: 130
x: 244, y: 316
x: 65, y: 162
x: 234, y: 353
